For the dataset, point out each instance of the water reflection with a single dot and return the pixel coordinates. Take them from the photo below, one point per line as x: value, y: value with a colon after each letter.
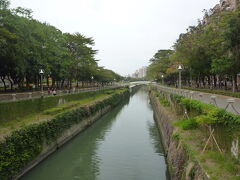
x: 155, y: 138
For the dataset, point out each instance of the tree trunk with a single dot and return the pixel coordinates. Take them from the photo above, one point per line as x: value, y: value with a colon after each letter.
x: 35, y: 82
x: 27, y: 83
x: 203, y: 81
x: 48, y: 82
x: 236, y: 82
x: 70, y: 83
x: 209, y: 81
x: 190, y: 79
x: 4, y: 84
x: 233, y: 83
x: 11, y: 83
x: 198, y: 81
x: 225, y: 84
x: 197, y: 85
x: 37, y: 86
x: 220, y: 82
x: 62, y: 83
x: 214, y: 81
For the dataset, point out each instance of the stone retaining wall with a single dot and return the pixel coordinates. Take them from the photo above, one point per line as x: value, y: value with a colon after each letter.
x: 179, y: 163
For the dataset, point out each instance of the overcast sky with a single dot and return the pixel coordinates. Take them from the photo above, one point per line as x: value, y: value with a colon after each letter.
x: 127, y: 33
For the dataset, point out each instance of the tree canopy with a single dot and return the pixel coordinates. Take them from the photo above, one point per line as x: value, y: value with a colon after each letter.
x: 210, y: 52
x: 27, y: 45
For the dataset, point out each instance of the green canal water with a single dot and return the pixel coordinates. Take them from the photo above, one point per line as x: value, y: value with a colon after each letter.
x: 123, y: 145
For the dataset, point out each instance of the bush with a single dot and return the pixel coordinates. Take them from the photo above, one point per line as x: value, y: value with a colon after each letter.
x: 176, y: 136
x: 187, y: 124
x: 207, y: 113
x: 162, y: 100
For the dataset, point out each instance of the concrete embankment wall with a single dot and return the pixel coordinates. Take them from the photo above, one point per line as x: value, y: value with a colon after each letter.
x: 181, y: 166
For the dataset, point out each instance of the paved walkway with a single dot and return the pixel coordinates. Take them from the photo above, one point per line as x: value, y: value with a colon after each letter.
x: 37, y: 94
x: 229, y: 103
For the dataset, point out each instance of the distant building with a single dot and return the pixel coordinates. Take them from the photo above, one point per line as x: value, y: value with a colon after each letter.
x: 140, y: 73
x: 135, y: 75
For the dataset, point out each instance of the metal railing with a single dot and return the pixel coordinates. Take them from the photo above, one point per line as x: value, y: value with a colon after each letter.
x: 37, y: 94
x: 228, y: 103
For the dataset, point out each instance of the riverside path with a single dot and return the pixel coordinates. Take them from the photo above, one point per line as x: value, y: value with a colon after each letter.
x: 37, y: 94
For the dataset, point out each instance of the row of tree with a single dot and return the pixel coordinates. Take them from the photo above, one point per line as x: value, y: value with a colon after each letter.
x: 209, y: 52
x: 27, y: 45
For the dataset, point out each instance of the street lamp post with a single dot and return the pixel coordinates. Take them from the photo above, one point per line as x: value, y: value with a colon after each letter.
x: 180, y: 68
x: 41, y: 72
x: 114, y: 81
x: 162, y: 79
x: 80, y: 65
x: 98, y: 81
x: 92, y: 78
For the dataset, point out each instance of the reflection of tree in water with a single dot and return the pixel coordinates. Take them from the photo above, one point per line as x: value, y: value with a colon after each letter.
x: 142, y: 93
x: 155, y: 138
x: 153, y: 130
x: 135, y: 89
x: 156, y: 142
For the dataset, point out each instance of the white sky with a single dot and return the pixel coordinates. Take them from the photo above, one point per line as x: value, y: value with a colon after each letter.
x: 127, y: 33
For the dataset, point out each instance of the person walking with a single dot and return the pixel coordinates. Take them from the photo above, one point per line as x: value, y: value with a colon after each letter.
x: 49, y: 91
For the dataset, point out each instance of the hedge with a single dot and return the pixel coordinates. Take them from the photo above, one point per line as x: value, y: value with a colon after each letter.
x: 25, y: 145
x: 207, y: 113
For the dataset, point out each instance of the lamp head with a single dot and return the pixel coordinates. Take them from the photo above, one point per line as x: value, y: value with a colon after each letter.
x: 41, y: 71
x: 180, y: 67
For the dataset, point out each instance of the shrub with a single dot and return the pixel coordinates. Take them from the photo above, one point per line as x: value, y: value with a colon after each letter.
x: 207, y: 113
x: 176, y: 136
x: 187, y: 124
x: 163, y: 100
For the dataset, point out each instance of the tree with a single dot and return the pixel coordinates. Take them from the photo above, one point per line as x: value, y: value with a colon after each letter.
x: 159, y: 64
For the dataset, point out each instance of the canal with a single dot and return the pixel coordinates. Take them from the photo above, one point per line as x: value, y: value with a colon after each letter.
x: 123, y: 144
